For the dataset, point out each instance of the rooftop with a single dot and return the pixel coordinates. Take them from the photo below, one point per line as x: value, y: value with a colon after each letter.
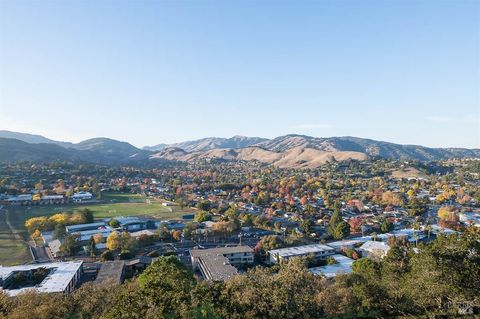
x: 110, y: 272
x: 129, y: 220
x: 221, y: 251
x: 215, y: 263
x: 375, y: 245
x: 218, y: 266
x: 344, y: 266
x: 80, y: 227
x: 60, y: 276
x: 346, y: 243
x: 300, y: 250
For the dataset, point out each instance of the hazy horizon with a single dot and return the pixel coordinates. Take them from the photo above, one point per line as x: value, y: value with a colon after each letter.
x: 169, y: 71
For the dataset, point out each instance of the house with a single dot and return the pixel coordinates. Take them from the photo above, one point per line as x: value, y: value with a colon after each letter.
x: 317, y: 251
x: 219, y: 264
x: 59, y: 277
x: 410, y: 234
x: 374, y: 249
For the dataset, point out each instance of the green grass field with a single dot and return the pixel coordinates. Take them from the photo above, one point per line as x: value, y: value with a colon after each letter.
x: 112, y: 205
x: 14, y: 251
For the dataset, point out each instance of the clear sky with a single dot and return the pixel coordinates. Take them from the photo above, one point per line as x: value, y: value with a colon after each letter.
x: 150, y: 72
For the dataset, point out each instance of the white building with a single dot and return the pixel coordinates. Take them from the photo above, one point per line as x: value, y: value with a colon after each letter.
x: 470, y: 218
x: 374, y: 249
x: 85, y: 231
x: 86, y: 234
x: 318, y: 251
x: 62, y: 277
x: 82, y: 196
x: 20, y: 199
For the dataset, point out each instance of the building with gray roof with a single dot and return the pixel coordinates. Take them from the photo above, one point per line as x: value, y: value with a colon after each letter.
x: 218, y: 264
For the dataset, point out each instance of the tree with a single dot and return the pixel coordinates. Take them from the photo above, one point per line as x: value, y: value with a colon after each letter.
x: 165, y: 286
x: 39, y: 186
x: 60, y: 218
x: 331, y: 261
x: 203, y: 205
x: 355, y: 224
x: 391, y: 198
x: 269, y: 242
x: 307, y: 226
x: 59, y: 231
x: 92, y: 247
x: 37, y: 235
x: 113, y: 241
x: 98, y: 238
x: 125, y: 255
x: 202, y: 216
x: 366, y: 267
x: 386, y: 226
x: 445, y: 212
x: 223, y: 227
x: 126, y: 241
x: 40, y: 223
x: 334, y: 221
x: 341, y: 230
x: 69, y: 192
x: 163, y: 232
x: 88, y: 215
x: 113, y: 223
x: 107, y: 255
x: 189, y: 230
x: 177, y: 235
x: 70, y: 245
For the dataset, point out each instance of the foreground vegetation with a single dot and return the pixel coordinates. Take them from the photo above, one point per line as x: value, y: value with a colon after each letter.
x: 440, y: 279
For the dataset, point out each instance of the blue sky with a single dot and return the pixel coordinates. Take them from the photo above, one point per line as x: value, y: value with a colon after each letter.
x: 150, y: 72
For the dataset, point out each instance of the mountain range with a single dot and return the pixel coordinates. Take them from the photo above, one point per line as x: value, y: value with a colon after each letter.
x: 290, y: 151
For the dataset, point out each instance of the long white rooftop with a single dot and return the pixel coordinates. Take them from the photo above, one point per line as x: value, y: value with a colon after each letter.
x: 300, y: 250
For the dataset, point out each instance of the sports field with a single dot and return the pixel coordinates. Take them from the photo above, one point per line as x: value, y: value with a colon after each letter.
x: 13, y: 250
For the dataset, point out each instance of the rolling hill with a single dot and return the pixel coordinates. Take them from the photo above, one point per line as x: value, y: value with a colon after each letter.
x: 209, y: 143
x: 292, y: 151
x: 31, y: 138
